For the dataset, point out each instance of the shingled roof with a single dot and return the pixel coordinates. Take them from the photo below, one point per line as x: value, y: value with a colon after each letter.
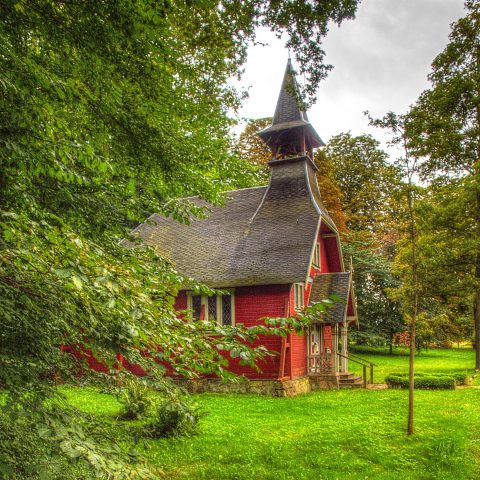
x: 328, y: 284
x: 260, y: 236
x: 287, y: 109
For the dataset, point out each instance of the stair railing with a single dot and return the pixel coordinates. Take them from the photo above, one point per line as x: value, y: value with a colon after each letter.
x: 364, y: 363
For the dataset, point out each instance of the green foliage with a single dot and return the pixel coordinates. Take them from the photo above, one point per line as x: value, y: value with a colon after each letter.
x: 172, y: 419
x: 367, y: 182
x: 380, y: 315
x: 444, y: 124
x: 426, y: 382
x: 24, y: 457
x: 135, y: 400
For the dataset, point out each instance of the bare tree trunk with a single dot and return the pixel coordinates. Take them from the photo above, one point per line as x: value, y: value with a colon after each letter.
x: 476, y: 298
x: 411, y: 377
x: 413, y: 318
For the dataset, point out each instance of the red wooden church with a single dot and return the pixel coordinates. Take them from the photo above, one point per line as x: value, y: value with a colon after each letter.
x: 275, y: 249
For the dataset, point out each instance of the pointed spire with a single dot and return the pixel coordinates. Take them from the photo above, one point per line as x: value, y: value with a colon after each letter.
x: 291, y: 132
x: 289, y: 101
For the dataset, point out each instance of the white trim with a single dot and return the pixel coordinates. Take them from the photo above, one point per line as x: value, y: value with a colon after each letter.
x: 317, y: 258
x: 261, y: 201
x: 317, y: 232
x: 339, y: 245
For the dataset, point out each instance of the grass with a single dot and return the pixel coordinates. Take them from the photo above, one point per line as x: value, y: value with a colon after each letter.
x: 435, y: 360
x: 346, y: 434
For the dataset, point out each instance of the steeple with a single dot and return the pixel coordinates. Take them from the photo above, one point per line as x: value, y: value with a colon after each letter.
x: 291, y: 134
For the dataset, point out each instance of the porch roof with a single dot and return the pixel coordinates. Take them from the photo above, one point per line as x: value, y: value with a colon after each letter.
x: 327, y: 284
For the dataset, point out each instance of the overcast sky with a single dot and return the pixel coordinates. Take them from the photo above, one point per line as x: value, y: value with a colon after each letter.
x: 381, y: 61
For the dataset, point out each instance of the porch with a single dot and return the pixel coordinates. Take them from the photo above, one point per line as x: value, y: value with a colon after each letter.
x: 328, y: 358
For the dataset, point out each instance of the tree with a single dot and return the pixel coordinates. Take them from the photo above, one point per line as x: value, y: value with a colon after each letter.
x: 330, y: 191
x: 110, y: 110
x: 380, y: 316
x: 447, y: 247
x: 444, y: 125
x: 367, y: 182
x: 409, y: 292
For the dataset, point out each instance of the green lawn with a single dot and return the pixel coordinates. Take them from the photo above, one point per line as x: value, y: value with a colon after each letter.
x: 346, y: 434
x: 426, y: 361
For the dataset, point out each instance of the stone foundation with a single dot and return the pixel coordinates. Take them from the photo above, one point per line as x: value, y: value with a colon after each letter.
x: 325, y: 381
x: 272, y: 388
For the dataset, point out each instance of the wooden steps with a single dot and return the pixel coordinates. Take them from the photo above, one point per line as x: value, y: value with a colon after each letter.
x: 349, y: 380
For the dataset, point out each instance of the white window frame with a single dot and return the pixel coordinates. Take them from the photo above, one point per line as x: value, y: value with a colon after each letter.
x: 298, y: 296
x: 204, y: 304
x: 316, y: 262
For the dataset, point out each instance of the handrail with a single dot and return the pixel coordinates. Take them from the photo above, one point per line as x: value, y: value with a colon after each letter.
x: 363, y: 360
x: 366, y: 364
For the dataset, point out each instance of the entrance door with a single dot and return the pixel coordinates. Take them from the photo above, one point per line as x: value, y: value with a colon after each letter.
x: 314, y: 348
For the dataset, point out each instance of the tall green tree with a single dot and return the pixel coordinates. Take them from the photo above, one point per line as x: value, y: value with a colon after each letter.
x: 444, y: 125
x: 110, y: 110
x: 368, y: 183
x: 447, y: 245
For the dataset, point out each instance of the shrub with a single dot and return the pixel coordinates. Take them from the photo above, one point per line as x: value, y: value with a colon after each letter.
x: 428, y: 382
x: 135, y: 400
x: 172, y: 418
x: 460, y: 378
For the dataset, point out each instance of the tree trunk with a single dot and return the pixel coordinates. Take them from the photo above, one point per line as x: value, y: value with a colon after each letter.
x: 476, y: 298
x: 414, y: 306
x: 411, y: 377
x: 391, y: 342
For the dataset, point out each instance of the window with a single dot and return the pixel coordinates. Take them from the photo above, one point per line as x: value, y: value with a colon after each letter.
x: 316, y: 256
x: 298, y: 295
x: 196, y: 305
x: 219, y: 308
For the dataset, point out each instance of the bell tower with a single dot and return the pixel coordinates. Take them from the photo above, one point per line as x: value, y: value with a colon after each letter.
x: 291, y: 134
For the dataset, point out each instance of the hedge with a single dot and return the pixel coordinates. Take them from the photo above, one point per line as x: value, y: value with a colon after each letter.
x: 429, y: 382
x: 460, y: 378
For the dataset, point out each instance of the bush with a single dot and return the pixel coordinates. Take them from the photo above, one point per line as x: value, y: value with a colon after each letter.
x: 459, y: 378
x: 135, y: 400
x: 428, y: 382
x: 172, y: 418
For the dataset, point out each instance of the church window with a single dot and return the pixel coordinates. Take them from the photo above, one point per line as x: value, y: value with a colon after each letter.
x: 219, y: 308
x: 298, y: 295
x: 316, y: 256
